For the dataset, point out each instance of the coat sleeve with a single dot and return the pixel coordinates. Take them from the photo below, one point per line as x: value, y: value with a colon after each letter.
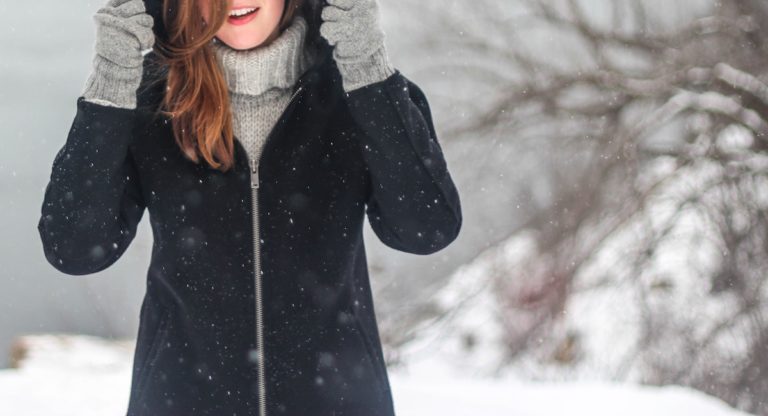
x: 412, y: 203
x: 92, y: 203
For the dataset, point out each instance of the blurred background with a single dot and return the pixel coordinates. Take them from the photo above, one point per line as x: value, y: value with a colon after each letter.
x: 612, y: 160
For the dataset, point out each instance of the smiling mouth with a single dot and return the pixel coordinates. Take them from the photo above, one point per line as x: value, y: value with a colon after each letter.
x: 240, y: 14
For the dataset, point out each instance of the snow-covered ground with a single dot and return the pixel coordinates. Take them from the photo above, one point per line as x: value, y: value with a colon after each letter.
x: 87, y: 376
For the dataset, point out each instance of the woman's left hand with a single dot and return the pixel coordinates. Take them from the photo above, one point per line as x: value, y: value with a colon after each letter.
x: 353, y: 28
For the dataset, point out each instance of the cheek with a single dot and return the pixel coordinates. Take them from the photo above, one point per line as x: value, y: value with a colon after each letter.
x: 276, y: 4
x: 205, y: 9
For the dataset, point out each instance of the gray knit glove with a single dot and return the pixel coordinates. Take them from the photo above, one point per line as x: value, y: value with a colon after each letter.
x: 360, y: 54
x: 123, y: 33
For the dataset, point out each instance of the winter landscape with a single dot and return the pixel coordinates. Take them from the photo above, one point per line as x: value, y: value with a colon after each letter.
x: 612, y: 159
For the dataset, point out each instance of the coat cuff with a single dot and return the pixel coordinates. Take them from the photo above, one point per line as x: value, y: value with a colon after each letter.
x: 111, y: 84
x: 372, y: 69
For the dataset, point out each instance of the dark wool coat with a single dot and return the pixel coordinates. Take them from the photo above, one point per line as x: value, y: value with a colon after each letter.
x: 331, y: 160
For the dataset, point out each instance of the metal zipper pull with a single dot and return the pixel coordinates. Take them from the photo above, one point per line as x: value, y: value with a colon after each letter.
x: 254, y: 173
x: 295, y: 93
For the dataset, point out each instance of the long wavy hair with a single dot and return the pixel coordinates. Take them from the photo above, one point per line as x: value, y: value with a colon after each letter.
x: 196, y: 97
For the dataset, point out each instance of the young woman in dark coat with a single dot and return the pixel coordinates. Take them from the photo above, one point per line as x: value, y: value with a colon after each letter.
x: 258, y: 299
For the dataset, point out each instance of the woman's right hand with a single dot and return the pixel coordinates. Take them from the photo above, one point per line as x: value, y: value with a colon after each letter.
x: 123, y: 33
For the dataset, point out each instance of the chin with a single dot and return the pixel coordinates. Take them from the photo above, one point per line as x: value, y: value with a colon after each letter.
x: 241, y: 44
x: 242, y: 38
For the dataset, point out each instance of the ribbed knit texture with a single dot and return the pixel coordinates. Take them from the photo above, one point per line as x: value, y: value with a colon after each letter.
x: 354, y: 29
x: 112, y: 85
x: 368, y: 70
x: 261, y: 81
x: 123, y: 31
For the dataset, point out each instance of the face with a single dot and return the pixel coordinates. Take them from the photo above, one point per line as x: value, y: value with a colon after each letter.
x: 251, y: 23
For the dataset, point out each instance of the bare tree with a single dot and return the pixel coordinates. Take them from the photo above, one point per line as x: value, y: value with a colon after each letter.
x: 655, y: 136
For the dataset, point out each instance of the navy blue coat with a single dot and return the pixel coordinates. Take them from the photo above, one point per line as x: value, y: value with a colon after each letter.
x: 258, y: 299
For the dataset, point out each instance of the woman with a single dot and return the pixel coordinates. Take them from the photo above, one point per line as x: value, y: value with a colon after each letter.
x: 258, y: 134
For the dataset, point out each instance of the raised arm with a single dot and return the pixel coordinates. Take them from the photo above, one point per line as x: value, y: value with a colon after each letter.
x: 93, y: 202
x: 412, y: 202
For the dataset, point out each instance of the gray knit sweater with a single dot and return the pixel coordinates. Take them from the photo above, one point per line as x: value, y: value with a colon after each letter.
x: 261, y: 81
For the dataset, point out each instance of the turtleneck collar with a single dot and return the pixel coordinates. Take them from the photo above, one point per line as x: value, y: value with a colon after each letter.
x: 276, y: 65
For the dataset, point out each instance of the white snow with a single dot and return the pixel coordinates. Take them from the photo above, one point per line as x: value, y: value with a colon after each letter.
x: 415, y: 396
x: 87, y: 376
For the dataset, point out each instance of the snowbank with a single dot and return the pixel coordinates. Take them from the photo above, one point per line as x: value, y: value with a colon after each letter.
x: 88, y: 376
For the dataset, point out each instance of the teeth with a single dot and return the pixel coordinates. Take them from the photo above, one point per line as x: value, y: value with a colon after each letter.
x: 241, y: 12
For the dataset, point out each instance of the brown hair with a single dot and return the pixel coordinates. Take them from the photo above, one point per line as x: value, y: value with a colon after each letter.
x: 196, y: 95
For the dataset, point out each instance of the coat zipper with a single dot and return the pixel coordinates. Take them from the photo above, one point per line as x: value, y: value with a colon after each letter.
x: 254, y: 164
